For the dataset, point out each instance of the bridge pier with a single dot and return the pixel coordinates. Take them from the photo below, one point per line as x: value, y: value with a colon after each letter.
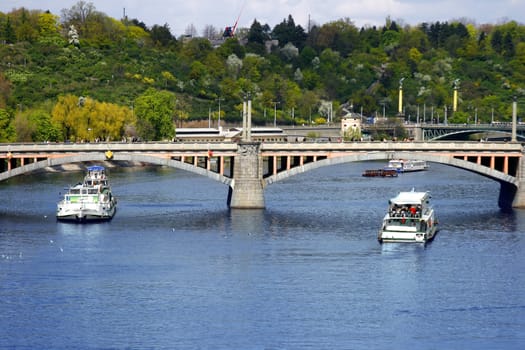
x: 246, y: 188
x: 513, y: 195
x: 518, y: 200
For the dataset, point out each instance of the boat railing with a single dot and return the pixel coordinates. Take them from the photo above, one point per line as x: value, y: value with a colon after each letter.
x: 412, y: 211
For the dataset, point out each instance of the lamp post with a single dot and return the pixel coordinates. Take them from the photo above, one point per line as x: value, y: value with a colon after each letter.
x: 400, y: 102
x: 209, y: 117
x: 275, y: 113
x: 219, y: 120
x: 455, y: 100
x: 514, y: 118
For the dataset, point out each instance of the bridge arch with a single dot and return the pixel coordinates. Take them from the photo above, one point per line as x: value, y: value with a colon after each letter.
x: 450, y: 136
x: 129, y: 157
x: 387, y: 155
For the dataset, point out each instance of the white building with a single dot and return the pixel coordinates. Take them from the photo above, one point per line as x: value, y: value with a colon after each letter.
x: 351, y: 125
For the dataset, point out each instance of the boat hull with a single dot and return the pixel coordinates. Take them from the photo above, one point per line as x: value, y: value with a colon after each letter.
x: 86, y: 215
x: 406, y: 166
x: 407, y: 237
x: 381, y: 173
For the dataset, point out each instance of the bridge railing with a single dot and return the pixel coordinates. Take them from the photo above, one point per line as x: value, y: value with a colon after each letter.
x: 5, y: 149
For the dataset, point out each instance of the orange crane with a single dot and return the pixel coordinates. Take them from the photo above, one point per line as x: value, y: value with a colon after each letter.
x: 229, y: 32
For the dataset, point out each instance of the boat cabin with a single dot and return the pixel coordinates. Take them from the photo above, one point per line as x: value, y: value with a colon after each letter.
x: 409, y: 204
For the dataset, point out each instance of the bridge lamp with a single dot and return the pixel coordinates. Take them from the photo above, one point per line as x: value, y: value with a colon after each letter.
x: 400, y: 105
x: 455, y: 101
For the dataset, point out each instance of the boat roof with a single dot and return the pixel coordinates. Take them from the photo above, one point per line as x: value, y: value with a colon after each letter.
x: 411, y: 197
x: 96, y: 168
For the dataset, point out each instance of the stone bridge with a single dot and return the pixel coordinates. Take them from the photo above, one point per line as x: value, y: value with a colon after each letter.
x: 248, y: 167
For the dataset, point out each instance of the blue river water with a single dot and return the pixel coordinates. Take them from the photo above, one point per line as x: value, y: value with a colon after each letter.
x: 176, y: 269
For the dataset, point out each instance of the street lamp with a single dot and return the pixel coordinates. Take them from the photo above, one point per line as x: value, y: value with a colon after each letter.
x: 275, y: 113
x: 219, y: 120
x: 209, y: 117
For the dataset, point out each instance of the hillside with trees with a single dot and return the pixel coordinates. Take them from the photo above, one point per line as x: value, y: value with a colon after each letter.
x: 84, y: 76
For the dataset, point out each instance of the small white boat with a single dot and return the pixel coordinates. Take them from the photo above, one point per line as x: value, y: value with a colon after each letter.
x: 90, y: 200
x: 406, y: 165
x: 410, y: 218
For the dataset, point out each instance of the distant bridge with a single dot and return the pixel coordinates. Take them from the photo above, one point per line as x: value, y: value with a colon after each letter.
x: 248, y: 167
x: 433, y: 132
x: 419, y: 131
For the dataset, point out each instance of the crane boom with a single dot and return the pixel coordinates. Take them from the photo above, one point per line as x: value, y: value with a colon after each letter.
x: 230, y: 31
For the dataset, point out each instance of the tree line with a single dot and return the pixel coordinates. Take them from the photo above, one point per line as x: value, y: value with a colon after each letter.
x: 86, y: 76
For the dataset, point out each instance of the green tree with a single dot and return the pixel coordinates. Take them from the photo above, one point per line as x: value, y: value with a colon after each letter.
x: 231, y: 46
x: 7, y: 131
x: 5, y: 90
x: 161, y: 35
x: 8, y: 32
x: 307, y: 104
x: 341, y: 36
x: 287, y: 32
x: 496, y: 41
x: 508, y: 46
x: 43, y: 128
x: 257, y: 37
x: 196, y: 49
x: 154, y: 110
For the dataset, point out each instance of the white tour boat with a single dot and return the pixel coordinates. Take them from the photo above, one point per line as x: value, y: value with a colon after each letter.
x: 410, y: 218
x: 406, y: 165
x: 89, y: 200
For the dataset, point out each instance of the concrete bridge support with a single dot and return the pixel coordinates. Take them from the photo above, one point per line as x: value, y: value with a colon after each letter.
x: 246, y: 188
x: 514, y: 195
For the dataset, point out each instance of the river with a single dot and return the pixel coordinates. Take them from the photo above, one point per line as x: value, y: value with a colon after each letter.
x: 176, y: 269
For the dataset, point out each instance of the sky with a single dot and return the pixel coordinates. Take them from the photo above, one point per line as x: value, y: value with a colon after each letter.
x: 180, y: 15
